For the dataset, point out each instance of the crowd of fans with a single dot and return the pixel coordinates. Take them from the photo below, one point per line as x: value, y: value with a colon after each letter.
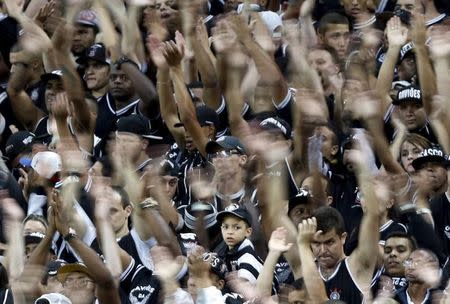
x: 224, y: 151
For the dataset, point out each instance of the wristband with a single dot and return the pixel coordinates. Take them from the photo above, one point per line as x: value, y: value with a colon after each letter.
x: 72, y: 234
x: 148, y: 203
x: 423, y: 211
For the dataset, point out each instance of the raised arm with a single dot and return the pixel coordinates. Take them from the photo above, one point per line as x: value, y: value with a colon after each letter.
x: 167, y: 104
x: 107, y: 291
x: 186, y: 107
x: 427, y: 78
x: 397, y: 37
x: 363, y: 260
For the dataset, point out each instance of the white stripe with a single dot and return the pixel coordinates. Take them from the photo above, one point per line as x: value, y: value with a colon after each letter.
x: 6, y: 296
x: 127, y: 271
x: 3, y: 96
x: 381, y: 6
x: 332, y: 275
x: 351, y: 275
x: 284, y: 102
x: 127, y: 107
x: 386, y: 225
x: 435, y: 20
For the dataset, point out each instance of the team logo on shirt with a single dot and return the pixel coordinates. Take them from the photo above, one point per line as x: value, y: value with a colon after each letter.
x: 335, y: 294
x: 141, y: 294
x: 447, y: 231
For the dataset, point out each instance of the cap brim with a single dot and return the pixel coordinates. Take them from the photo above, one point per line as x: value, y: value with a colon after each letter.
x: 418, y: 162
x: 396, y: 102
x: 221, y: 215
x: 49, y: 76
x: 29, y: 239
x: 63, y: 271
x: 152, y: 137
x: 83, y: 60
x: 213, y: 147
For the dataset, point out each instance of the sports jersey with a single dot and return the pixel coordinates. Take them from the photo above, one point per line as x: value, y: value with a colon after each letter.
x: 402, y: 297
x: 440, y: 209
x: 139, y: 285
x: 138, y: 249
x: 37, y: 95
x: 341, y: 286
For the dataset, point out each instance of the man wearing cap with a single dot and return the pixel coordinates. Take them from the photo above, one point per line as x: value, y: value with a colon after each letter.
x: 229, y: 158
x: 86, y: 28
x: 17, y: 146
x: 77, y: 283
x: 50, y: 281
x: 132, y: 137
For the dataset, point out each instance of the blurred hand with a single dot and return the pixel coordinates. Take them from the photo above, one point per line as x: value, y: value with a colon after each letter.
x: 45, y: 11
x: 307, y: 229
x: 440, y: 44
x: 14, y: 7
x: 396, y: 32
x: 166, y: 267
x: 307, y: 8
x: 418, y: 29
x: 156, y: 48
x: 173, y: 54
x: 198, y: 267
x: 277, y: 242
x: 224, y: 38
x: 60, y: 107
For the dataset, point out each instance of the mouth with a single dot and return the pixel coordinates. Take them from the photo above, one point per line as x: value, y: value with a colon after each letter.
x: 165, y: 15
x: 355, y: 11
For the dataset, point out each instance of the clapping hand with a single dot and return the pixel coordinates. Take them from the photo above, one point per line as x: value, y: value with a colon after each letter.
x: 307, y: 230
x: 396, y: 33
x: 277, y: 242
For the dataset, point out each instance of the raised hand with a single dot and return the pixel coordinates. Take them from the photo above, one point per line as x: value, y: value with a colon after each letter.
x: 307, y: 229
x: 10, y: 209
x: 45, y: 12
x: 156, y: 48
x: 224, y: 38
x: 14, y: 7
x: 201, y: 33
x: 198, y: 267
x: 307, y: 8
x: 366, y: 105
x: 172, y: 53
x: 277, y: 242
x: 60, y: 107
x: 440, y: 44
x: 397, y: 34
x: 418, y: 29
x: 166, y: 267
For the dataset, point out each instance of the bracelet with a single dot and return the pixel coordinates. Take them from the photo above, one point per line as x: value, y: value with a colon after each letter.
x: 148, y: 203
x: 409, y: 207
x: 125, y: 59
x: 72, y: 234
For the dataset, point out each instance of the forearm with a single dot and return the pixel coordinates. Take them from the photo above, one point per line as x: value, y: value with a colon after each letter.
x: 311, y: 277
x: 397, y: 143
x: 110, y: 248
x: 441, y: 66
x: 386, y: 75
x: 39, y: 256
x: 16, y: 248
x: 427, y: 78
x: 144, y: 88
x: 265, y: 278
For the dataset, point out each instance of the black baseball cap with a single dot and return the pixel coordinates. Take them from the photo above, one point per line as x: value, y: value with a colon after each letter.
x: 406, y: 51
x: 191, y: 214
x: 276, y: 124
x: 205, y: 117
x: 301, y: 198
x: 236, y: 211
x: 169, y: 168
x: 225, y: 143
x: 431, y: 155
x: 56, y: 74
x: 96, y: 52
x: 136, y: 124
x: 53, y: 267
x: 34, y: 238
x: 17, y: 143
x: 411, y: 93
x: 218, y: 266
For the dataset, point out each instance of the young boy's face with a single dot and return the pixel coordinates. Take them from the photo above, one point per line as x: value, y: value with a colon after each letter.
x: 234, y: 231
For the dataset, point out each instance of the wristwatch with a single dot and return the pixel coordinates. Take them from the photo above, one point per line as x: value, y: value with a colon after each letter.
x: 72, y: 234
x: 125, y: 59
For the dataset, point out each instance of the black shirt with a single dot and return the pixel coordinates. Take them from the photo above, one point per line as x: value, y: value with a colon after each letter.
x: 440, y: 209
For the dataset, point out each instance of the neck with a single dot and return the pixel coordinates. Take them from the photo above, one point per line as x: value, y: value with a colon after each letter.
x: 100, y: 92
x: 365, y: 21
x: 124, y: 102
x: 230, y: 186
x: 123, y: 231
x: 417, y: 292
x: 327, y: 271
x: 142, y: 158
x: 430, y: 11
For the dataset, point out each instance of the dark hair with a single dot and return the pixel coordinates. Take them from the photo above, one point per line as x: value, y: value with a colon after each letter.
x: 403, y: 235
x: 36, y: 218
x: 124, y: 198
x: 331, y: 18
x: 328, y: 219
x: 326, y: 48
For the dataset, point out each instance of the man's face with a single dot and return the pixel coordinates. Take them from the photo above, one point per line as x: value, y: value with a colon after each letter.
x: 170, y: 185
x: 227, y: 164
x: 329, y: 146
x: 79, y: 288
x: 234, y: 230
x: 52, y: 88
x: 29, y: 248
x: 396, y: 251
x: 407, y: 69
x: 412, y: 115
x: 96, y: 75
x: 419, y: 261
x: 408, y: 5
x: 53, y: 285
x: 34, y: 226
x: 120, y: 85
x: 435, y: 174
x: 117, y: 214
x: 337, y: 36
x: 131, y: 144
x: 83, y: 37
x: 320, y: 60
x: 299, y: 213
x: 354, y: 8
x: 168, y: 11
x: 328, y: 248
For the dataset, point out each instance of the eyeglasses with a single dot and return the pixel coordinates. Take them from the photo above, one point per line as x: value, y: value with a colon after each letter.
x: 222, y: 154
x: 410, y: 263
x: 79, y: 282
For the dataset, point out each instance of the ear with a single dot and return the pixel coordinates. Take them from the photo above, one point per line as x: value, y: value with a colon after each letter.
x: 242, y: 160
x: 129, y: 209
x: 334, y: 150
x: 220, y: 284
x: 248, y: 231
x: 329, y: 200
x: 211, y: 131
x: 321, y: 37
x: 145, y: 144
x: 343, y: 237
x: 390, y: 203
